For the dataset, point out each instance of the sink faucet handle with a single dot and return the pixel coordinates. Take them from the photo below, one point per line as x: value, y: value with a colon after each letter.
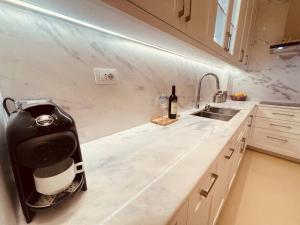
x: 207, y: 107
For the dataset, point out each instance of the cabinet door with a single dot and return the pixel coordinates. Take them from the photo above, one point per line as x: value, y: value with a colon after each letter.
x: 220, y: 11
x: 181, y: 216
x: 229, y: 159
x: 199, y: 210
x: 240, y: 29
x: 250, y: 125
x: 170, y: 11
x: 220, y: 188
x: 197, y: 19
x: 248, y: 33
x: 218, y: 23
x: 200, y: 199
x: 233, y: 25
x: 229, y: 18
x: 233, y: 164
x: 241, y: 148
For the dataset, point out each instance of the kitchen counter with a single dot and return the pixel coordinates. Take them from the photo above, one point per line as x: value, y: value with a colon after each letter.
x: 278, y: 103
x: 141, y: 176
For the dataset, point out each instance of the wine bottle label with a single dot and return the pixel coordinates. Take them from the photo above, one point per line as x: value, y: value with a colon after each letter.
x: 174, y: 108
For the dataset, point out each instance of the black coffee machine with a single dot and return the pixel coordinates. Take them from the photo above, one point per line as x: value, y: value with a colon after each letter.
x: 40, y: 135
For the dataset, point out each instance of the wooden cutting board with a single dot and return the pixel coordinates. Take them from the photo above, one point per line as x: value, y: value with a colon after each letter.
x: 164, y: 121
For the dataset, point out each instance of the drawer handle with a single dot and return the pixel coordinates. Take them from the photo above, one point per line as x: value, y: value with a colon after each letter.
x: 283, y: 114
x: 205, y: 193
x: 277, y: 125
x: 231, y: 153
x: 251, y: 121
x: 181, y: 12
x: 278, y: 139
x: 243, y: 147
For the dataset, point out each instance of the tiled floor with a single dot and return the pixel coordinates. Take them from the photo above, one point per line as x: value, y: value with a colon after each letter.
x: 266, y: 192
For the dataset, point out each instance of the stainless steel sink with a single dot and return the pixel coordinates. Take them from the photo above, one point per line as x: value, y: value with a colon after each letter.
x: 224, y: 111
x: 224, y: 114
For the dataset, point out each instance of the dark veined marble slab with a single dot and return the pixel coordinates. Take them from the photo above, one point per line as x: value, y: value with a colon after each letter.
x: 291, y: 104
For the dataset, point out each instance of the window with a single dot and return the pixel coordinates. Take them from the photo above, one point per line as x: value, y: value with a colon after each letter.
x: 220, y: 26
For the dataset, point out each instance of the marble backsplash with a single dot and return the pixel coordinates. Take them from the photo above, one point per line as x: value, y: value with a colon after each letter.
x: 270, y: 77
x: 43, y: 57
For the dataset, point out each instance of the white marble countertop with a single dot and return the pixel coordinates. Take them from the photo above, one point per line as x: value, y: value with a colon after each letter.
x: 141, y: 176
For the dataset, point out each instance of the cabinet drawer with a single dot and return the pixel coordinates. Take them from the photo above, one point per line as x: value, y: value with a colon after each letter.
x: 181, y: 216
x: 277, y: 142
x: 201, y: 199
x: 279, y: 114
x: 277, y: 125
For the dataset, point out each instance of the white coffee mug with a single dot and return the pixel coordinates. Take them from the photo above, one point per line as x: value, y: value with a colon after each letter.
x: 55, y: 179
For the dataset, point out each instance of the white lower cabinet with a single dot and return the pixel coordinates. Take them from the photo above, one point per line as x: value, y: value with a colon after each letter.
x: 205, y: 203
x: 277, y: 130
x: 204, y: 209
x: 227, y: 166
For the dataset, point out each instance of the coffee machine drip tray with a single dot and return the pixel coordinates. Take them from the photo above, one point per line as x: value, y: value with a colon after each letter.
x: 37, y: 201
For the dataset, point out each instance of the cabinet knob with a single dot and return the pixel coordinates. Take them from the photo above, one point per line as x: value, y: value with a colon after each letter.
x: 189, y: 16
x: 181, y: 12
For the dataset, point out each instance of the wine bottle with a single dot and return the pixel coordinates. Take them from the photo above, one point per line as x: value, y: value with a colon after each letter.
x: 173, y: 104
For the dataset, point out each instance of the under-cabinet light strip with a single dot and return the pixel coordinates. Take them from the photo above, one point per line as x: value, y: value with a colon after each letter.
x: 97, y: 28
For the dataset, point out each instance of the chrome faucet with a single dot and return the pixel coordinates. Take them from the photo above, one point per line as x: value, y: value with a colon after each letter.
x: 199, y: 87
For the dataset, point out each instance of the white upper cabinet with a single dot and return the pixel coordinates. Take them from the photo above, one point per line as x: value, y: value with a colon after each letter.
x: 227, y: 14
x: 230, y: 30
x: 197, y: 19
x: 222, y: 27
x: 170, y: 11
x: 239, y: 32
x: 189, y: 16
x: 247, y: 34
x: 233, y: 26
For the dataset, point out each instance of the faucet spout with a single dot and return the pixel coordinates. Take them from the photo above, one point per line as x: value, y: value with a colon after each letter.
x: 199, y: 86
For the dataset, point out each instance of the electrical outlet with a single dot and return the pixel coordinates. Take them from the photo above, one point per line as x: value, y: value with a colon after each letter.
x: 106, y: 76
